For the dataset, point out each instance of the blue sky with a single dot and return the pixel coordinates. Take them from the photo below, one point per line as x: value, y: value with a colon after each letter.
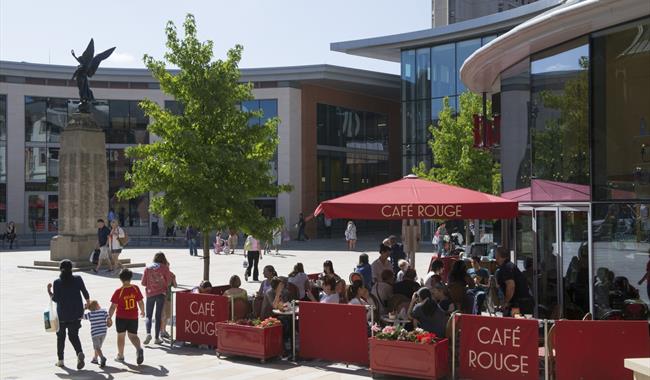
x: 273, y: 32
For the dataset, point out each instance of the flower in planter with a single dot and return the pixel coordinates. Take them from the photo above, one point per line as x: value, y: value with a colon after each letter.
x: 268, y: 322
x: 426, y: 338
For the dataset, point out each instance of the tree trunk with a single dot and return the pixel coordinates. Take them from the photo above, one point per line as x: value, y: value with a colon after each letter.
x: 206, y: 255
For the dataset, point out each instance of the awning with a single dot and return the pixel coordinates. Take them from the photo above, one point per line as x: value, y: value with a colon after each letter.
x: 414, y: 198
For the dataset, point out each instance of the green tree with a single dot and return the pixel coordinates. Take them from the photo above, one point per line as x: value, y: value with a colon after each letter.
x: 208, y: 163
x: 455, y: 159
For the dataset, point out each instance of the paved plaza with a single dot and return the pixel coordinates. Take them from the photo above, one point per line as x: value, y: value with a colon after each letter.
x: 28, y: 352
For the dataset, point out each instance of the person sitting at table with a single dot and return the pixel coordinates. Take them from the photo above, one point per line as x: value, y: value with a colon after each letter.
x: 478, y: 295
x: 268, y: 273
x: 383, y: 290
x: 426, y: 313
x: 204, y: 287
x: 459, y: 281
x: 440, y: 294
x: 272, y: 298
x: 341, y: 290
x: 437, y: 266
x: 408, y: 286
x: 328, y: 271
x: 403, y: 267
x: 381, y: 264
x: 329, y: 291
x: 298, y: 278
x: 235, y: 291
x: 513, y: 284
x: 364, y: 268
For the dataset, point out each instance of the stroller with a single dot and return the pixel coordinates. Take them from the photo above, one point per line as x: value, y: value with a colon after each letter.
x: 221, y: 245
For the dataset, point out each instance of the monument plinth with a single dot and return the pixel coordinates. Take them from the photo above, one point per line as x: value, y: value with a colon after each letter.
x: 83, y: 188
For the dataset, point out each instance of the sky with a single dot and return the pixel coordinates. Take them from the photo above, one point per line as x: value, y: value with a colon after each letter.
x: 273, y: 32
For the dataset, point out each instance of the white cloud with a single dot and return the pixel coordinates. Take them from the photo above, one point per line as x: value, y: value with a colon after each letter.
x: 121, y: 58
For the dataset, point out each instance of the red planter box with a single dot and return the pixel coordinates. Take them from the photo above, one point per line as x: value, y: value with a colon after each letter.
x: 421, y: 361
x: 250, y: 341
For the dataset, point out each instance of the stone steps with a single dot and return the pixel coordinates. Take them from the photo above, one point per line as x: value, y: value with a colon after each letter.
x: 77, y: 266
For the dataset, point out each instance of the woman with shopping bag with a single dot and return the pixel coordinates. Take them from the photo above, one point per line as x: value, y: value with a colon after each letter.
x: 66, y: 292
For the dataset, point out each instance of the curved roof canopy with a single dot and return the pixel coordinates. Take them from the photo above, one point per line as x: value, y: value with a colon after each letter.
x: 573, y: 19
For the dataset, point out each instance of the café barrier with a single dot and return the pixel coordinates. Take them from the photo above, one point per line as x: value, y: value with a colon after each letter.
x: 197, y: 316
x: 498, y: 348
x: 597, y: 349
x: 333, y: 332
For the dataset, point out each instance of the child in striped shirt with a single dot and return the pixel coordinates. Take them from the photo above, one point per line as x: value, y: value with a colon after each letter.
x: 99, y: 323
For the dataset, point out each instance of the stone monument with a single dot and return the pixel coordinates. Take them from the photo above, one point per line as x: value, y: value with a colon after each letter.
x: 83, y: 188
x: 83, y: 176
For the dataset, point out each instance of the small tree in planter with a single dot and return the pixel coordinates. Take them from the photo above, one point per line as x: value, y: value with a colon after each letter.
x: 417, y: 353
x: 261, y: 339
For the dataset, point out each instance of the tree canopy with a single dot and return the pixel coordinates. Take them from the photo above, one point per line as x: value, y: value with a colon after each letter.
x: 455, y: 159
x: 208, y: 163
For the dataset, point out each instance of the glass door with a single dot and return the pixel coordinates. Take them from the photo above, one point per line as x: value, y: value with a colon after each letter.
x: 547, y: 264
x: 574, y: 250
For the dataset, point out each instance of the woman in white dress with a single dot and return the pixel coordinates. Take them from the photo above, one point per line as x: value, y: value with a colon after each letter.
x: 351, y: 235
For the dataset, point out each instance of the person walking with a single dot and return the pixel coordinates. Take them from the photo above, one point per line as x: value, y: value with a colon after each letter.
x: 117, y: 241
x: 233, y: 240
x: 302, y: 236
x: 103, y: 233
x: 277, y: 239
x: 66, y: 292
x: 396, y: 252
x: 351, y: 235
x: 328, y: 227
x: 11, y: 234
x: 411, y: 238
x: 441, y: 233
x: 191, y: 235
x: 252, y: 247
x: 156, y: 280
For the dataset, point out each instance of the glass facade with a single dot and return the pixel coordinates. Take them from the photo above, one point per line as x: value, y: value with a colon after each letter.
x: 124, y: 123
x: 428, y: 75
x: 621, y: 113
x: 3, y: 158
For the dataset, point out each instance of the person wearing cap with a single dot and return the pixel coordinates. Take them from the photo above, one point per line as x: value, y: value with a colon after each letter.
x: 67, y: 291
x: 396, y: 252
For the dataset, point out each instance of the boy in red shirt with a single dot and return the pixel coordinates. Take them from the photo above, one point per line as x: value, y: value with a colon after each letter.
x: 124, y: 300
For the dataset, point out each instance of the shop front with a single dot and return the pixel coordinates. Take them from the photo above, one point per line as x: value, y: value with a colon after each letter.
x: 574, y: 103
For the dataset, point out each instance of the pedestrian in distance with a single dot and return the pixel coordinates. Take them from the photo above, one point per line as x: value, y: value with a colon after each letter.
x: 190, y: 236
x: 156, y: 280
x: 103, y: 245
x: 252, y: 247
x: 351, y: 235
x: 67, y: 291
x: 117, y: 240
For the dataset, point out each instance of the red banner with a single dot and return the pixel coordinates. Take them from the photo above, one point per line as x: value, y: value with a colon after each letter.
x: 596, y: 349
x: 197, y: 316
x: 334, y: 332
x: 498, y: 348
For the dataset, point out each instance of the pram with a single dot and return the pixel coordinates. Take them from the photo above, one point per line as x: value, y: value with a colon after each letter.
x: 221, y: 245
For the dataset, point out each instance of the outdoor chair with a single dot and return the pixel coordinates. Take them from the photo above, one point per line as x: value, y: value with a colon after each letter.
x: 588, y: 317
x: 635, y: 310
x: 241, y: 308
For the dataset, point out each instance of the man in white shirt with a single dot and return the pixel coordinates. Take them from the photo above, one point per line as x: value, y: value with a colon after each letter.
x: 381, y: 264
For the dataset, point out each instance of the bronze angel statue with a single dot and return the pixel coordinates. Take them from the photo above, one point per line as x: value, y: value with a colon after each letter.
x: 88, y: 64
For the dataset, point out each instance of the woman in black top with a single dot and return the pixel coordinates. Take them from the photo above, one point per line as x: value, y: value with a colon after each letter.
x: 66, y: 292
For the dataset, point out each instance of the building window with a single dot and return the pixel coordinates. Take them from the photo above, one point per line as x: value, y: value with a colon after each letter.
x: 129, y: 212
x: 620, y: 255
x: 558, y: 113
x: 408, y: 75
x: 269, y: 110
x: 443, y: 71
x: 621, y: 112
x: 463, y: 50
x: 127, y: 123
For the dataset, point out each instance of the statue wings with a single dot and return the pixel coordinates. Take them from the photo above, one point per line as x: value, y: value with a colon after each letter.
x: 92, y: 61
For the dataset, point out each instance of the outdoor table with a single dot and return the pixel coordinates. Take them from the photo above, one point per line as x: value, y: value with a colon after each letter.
x: 288, y: 312
x: 395, y: 321
x: 640, y: 367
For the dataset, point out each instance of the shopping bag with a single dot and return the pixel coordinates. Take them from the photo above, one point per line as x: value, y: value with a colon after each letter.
x: 245, y: 263
x: 50, y: 318
x: 94, y: 256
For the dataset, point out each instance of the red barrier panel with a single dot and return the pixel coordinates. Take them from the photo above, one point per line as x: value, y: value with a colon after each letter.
x: 197, y: 316
x: 596, y: 349
x: 334, y: 332
x: 498, y: 348
x: 313, y: 276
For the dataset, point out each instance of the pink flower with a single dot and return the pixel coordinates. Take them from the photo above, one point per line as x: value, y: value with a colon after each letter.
x: 388, y: 330
x: 376, y: 328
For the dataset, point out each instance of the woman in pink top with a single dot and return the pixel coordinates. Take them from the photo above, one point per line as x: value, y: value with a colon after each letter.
x: 156, y: 280
x: 252, y: 247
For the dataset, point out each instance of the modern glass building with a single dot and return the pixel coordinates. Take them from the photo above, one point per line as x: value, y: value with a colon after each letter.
x: 575, y: 107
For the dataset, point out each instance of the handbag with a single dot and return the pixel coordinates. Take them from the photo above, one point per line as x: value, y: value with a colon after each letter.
x: 50, y: 318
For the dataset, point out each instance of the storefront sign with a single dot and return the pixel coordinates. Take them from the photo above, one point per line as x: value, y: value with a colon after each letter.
x: 197, y: 316
x: 422, y: 211
x: 498, y: 348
